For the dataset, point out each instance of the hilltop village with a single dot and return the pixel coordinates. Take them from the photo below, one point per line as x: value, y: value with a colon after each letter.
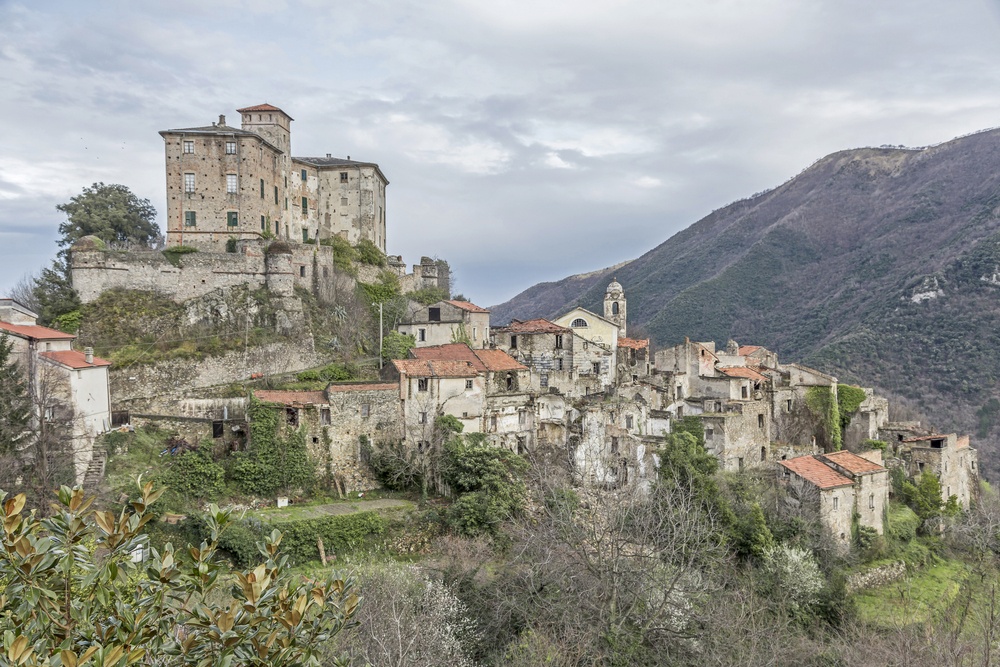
x: 244, y: 215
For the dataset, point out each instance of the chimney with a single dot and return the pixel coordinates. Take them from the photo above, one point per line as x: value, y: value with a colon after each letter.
x: 222, y: 119
x: 88, y: 354
x: 328, y: 156
x: 348, y: 157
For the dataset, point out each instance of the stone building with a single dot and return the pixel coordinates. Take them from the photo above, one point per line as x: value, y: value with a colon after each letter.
x: 67, y: 386
x: 949, y: 457
x: 225, y: 182
x: 595, y: 355
x: 819, y: 492
x: 871, y: 485
x: 448, y: 322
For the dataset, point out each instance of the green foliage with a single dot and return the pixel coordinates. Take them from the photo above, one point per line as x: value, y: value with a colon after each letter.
x: 461, y: 335
x: 63, y: 606
x: 448, y: 425
x: 53, y: 290
x: 344, y: 255
x: 924, y: 497
x: 383, y: 291
x: 986, y: 417
x: 849, y: 399
x: 396, y: 467
x: 271, y: 463
x: 340, y: 534
x: 330, y: 373
x: 397, y: 345
x: 868, y: 443
x: 112, y: 213
x: 820, y: 401
x: 489, y: 483
x: 903, y: 523
x: 68, y: 322
x: 174, y: 253
x: 369, y: 253
x: 242, y: 540
x: 194, y: 474
x: 231, y: 244
x: 756, y: 539
x: 428, y: 295
x: 15, y: 402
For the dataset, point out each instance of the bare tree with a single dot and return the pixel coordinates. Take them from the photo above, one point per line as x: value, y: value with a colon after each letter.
x: 23, y: 291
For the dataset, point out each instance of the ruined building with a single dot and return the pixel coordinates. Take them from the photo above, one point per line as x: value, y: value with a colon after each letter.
x: 225, y: 182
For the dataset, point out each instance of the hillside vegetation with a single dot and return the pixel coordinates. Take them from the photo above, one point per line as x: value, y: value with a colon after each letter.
x: 881, y: 266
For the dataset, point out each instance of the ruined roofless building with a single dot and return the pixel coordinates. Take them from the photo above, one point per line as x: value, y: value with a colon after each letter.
x: 225, y: 182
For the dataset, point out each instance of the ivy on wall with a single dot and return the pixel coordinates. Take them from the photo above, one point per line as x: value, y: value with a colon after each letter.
x: 822, y: 402
x: 272, y: 463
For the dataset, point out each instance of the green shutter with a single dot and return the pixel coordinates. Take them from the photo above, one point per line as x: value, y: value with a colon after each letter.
x: 232, y: 219
x: 190, y: 218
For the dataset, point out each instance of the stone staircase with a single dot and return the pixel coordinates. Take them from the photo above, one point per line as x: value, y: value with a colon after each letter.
x: 95, y: 470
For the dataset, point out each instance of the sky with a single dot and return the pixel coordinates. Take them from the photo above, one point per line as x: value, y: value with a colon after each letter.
x: 524, y: 140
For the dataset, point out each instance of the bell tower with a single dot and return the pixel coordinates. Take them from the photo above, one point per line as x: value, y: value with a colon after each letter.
x: 614, y: 306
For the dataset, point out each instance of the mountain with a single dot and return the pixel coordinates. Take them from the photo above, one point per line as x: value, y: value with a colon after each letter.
x: 879, y: 265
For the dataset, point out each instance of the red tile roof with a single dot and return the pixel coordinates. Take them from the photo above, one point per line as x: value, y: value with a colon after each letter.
x: 498, y: 360
x: 747, y: 349
x: 741, y: 372
x: 468, y: 305
x: 74, y: 359
x: 259, y: 107
x: 538, y: 325
x: 634, y: 343
x: 435, y: 368
x: 35, y: 331
x: 371, y: 386
x: 291, y: 397
x: 448, y: 351
x: 816, y: 472
x: 852, y: 463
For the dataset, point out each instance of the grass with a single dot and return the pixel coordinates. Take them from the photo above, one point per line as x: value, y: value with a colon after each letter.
x: 919, y: 598
x: 383, y: 502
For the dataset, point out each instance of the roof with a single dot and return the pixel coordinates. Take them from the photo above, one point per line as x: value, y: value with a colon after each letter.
x: 816, y: 472
x: 221, y: 130
x: 537, y: 325
x: 634, y: 343
x: 322, y: 162
x: 34, y: 331
x: 744, y: 350
x: 481, y: 360
x: 356, y: 386
x: 467, y: 305
x: 741, y: 372
x: 853, y: 463
x: 444, y: 368
x: 74, y: 359
x: 934, y: 436
x: 290, y: 397
x: 498, y: 360
x: 262, y: 107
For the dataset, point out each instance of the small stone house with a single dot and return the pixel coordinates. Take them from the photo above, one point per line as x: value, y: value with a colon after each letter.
x: 871, y: 485
x: 448, y: 322
x: 949, y: 457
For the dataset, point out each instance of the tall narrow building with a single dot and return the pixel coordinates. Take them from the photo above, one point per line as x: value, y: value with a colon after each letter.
x: 615, y: 306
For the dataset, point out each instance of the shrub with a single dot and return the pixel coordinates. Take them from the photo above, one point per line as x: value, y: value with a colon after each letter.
x: 369, y: 253
x: 489, y: 482
x: 193, y: 474
x: 339, y: 533
x: 428, y: 295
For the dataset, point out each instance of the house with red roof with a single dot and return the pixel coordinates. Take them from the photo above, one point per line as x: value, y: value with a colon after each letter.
x: 68, y: 386
x: 449, y: 321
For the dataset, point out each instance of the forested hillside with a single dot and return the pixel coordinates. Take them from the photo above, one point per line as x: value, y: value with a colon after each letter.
x: 880, y: 265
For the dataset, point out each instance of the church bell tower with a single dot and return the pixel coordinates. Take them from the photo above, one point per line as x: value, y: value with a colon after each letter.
x: 614, y: 306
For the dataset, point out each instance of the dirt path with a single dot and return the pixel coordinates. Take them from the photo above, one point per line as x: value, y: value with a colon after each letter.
x: 295, y: 513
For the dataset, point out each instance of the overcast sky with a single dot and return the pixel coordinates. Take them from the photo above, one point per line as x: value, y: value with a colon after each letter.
x: 524, y: 140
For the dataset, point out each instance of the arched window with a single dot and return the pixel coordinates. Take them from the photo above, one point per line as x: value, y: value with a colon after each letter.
x: 614, y: 308
x: 578, y: 323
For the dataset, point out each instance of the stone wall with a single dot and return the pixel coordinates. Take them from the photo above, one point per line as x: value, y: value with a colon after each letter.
x: 876, y: 576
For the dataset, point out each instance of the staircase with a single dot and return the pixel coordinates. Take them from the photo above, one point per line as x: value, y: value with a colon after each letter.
x: 95, y: 470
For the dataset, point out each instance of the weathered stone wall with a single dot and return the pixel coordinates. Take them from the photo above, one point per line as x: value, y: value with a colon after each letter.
x: 876, y: 576
x: 373, y: 411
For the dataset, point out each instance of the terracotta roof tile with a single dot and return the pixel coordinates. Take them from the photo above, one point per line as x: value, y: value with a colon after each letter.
x: 435, y: 368
x: 852, y: 463
x: 448, y: 352
x: 634, y: 343
x: 537, y: 325
x: 816, y: 472
x: 259, y: 107
x: 35, y: 331
x: 467, y: 305
x: 744, y: 350
x: 74, y: 359
x: 741, y: 372
x: 498, y: 360
x: 361, y: 386
x: 291, y: 397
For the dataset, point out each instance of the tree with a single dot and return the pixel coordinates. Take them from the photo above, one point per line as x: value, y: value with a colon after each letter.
x: 488, y: 480
x: 112, y: 213
x: 397, y: 345
x: 54, y: 294
x: 15, y: 401
x: 74, y: 594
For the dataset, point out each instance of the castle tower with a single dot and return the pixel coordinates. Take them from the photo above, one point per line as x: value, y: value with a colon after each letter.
x: 271, y: 123
x: 614, y: 306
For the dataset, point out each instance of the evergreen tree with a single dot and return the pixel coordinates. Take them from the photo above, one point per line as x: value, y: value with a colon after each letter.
x: 112, y: 213
x: 15, y: 403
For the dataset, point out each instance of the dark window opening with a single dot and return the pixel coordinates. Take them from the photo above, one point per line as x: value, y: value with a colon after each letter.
x: 434, y: 314
x: 543, y: 381
x: 614, y: 308
x: 513, y: 342
x: 559, y: 341
x: 763, y: 453
x: 559, y: 364
x: 315, y: 440
x: 740, y: 462
x: 292, y: 416
x: 422, y: 384
x: 343, y: 177
x: 190, y: 218
x: 744, y: 391
x: 937, y: 443
x: 468, y: 384
x: 232, y: 219
x: 423, y: 418
x: 628, y: 421
x: 520, y: 445
x: 218, y: 429
x: 596, y: 367
x: 304, y: 175
x: 421, y: 335
x: 324, y: 416
x: 760, y: 421
x: 614, y: 444
x: 302, y: 272
x: 510, y: 382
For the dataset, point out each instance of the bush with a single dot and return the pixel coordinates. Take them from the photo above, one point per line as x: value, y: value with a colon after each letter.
x: 489, y: 482
x: 193, y: 474
x: 903, y: 523
x: 428, y: 295
x: 369, y: 253
x: 340, y: 534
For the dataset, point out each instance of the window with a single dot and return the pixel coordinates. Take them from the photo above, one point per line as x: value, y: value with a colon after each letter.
x: 510, y: 382
x: 422, y: 384
x: 232, y: 219
x: 680, y: 411
x: 263, y: 224
x: 743, y: 391
x: 709, y: 433
x: 230, y: 148
x: 324, y: 416
x: 423, y: 418
x: 739, y: 462
x: 559, y: 341
x: 286, y: 203
x: 468, y: 384
x: 543, y: 381
x: 680, y: 392
x: 232, y: 184
x: 596, y: 367
x: 760, y: 421
x: 614, y: 308
x: 305, y: 235
x: 262, y: 188
x: 788, y: 405
x: 559, y: 364
x: 493, y: 422
x: 218, y: 429
x: 522, y: 417
x: 578, y: 323
x: 424, y: 446
x: 475, y: 333
x: 302, y: 271
x: 763, y: 453
x: 628, y: 421
x: 434, y: 314
x: 343, y: 201
x: 343, y: 177
x: 871, y: 501
x: 421, y: 335
x: 836, y: 502
x: 920, y: 466
x: 513, y: 342
x: 292, y: 416
x: 275, y: 195
x: 366, y: 409
x: 614, y: 445
x: 305, y: 205
x: 304, y: 175
x: 189, y: 147
x: 189, y: 183
x: 190, y: 219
